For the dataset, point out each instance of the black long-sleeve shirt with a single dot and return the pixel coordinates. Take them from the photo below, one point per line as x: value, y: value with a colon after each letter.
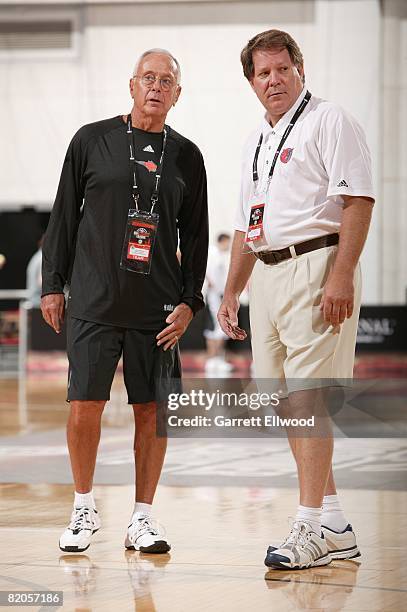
x: 88, y: 221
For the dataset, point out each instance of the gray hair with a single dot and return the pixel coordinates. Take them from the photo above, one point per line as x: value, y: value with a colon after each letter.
x: 161, y: 52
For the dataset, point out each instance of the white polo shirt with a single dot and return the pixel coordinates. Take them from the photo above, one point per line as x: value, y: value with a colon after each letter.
x: 324, y: 157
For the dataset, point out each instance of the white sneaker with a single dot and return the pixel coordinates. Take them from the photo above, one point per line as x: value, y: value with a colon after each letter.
x: 211, y: 364
x: 341, y: 545
x: 84, y: 523
x: 302, y: 549
x: 143, y: 535
x: 224, y: 366
x: 218, y: 365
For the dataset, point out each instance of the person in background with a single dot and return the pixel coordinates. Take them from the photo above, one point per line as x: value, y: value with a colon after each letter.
x: 34, y: 277
x: 216, y: 274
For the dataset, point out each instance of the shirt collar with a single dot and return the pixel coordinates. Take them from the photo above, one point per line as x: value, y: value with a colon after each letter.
x: 282, y: 123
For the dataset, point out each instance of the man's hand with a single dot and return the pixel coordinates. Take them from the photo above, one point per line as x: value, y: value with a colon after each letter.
x: 227, y: 317
x: 337, y: 298
x: 53, y: 310
x: 178, y: 321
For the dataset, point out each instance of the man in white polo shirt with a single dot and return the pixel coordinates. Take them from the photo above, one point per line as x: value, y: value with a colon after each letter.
x: 303, y: 217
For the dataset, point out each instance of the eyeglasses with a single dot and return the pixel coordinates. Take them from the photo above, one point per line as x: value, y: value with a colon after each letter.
x: 149, y: 80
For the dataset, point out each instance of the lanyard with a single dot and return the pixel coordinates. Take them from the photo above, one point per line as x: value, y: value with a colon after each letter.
x: 135, y: 188
x: 282, y: 141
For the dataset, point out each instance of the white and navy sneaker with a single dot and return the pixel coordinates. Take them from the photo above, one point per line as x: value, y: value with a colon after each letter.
x: 144, y: 535
x: 302, y: 549
x: 342, y: 544
x: 84, y: 523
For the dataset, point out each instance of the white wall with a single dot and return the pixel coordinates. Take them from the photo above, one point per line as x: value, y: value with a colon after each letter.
x: 393, y: 225
x: 43, y: 101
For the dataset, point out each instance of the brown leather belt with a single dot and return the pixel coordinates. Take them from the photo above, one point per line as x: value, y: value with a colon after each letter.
x: 272, y: 258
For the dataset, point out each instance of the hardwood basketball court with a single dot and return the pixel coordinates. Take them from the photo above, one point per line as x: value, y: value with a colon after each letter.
x: 222, y: 502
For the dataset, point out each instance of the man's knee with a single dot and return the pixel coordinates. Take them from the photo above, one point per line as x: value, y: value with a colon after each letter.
x: 145, y: 413
x: 84, y: 413
x: 309, y: 411
x: 150, y: 415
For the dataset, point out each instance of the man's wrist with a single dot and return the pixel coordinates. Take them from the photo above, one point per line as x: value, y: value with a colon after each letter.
x: 52, y: 293
x: 186, y: 303
x: 343, y: 270
x: 231, y: 295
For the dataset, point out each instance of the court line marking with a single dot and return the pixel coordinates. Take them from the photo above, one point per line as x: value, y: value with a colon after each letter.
x: 326, y: 584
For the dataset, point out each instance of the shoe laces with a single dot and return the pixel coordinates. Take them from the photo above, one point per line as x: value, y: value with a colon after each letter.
x: 297, y: 536
x: 145, y: 524
x: 81, y: 519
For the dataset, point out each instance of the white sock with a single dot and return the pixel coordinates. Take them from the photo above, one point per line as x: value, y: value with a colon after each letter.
x: 84, y: 499
x: 332, y: 515
x: 140, y: 508
x: 312, y: 516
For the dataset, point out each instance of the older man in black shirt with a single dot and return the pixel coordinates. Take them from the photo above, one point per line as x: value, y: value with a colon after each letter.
x: 131, y: 191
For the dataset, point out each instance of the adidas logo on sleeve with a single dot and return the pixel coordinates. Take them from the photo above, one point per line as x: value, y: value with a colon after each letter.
x: 342, y: 183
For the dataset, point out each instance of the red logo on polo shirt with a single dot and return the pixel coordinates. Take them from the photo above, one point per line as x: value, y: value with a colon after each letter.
x: 286, y: 155
x: 149, y: 165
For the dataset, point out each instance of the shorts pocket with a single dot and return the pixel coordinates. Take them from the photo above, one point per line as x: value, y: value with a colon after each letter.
x: 319, y: 325
x: 167, y: 373
x: 319, y: 265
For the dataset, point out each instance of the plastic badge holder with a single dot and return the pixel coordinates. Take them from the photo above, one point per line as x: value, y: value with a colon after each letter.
x: 255, y: 238
x: 139, y: 241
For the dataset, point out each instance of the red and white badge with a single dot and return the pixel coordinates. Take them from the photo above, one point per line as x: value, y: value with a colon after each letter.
x: 255, y: 230
x: 139, y: 240
x: 139, y: 245
x: 255, y: 238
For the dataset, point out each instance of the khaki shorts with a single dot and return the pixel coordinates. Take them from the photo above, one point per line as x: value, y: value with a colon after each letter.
x: 290, y: 339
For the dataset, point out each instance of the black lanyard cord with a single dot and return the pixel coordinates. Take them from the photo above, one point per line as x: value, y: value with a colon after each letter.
x: 132, y: 149
x: 284, y: 137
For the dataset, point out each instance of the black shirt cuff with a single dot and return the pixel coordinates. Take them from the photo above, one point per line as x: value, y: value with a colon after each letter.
x: 195, y: 304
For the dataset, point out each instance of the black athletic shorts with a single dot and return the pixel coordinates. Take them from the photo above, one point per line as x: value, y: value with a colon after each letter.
x: 94, y: 351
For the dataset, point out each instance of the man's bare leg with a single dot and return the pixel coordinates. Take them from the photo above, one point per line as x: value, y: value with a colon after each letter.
x: 314, y: 456
x: 214, y: 348
x: 332, y: 516
x: 83, y: 435
x: 312, y: 448
x: 313, y: 452
x: 330, y: 488
x: 149, y: 451
x: 317, y: 486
